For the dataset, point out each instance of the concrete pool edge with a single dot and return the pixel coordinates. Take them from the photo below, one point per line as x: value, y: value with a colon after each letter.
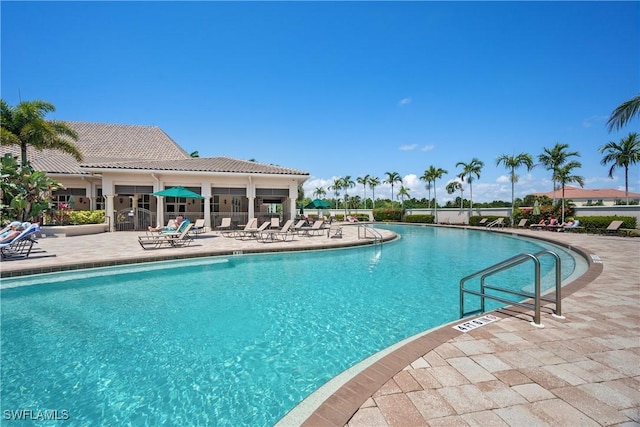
x: 346, y: 400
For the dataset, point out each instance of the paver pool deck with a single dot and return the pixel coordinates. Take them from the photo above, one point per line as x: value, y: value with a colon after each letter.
x: 582, y: 370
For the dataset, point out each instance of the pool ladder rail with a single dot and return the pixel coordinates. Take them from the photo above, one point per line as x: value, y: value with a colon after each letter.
x: 536, y: 296
x: 366, y: 231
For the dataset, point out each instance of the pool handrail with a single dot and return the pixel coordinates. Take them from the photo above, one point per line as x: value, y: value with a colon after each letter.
x: 508, y: 264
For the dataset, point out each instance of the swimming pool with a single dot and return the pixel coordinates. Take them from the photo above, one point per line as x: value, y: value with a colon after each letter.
x: 229, y: 341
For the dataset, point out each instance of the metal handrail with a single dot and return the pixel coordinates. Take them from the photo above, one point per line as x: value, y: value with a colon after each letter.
x: 506, y: 265
x: 377, y: 237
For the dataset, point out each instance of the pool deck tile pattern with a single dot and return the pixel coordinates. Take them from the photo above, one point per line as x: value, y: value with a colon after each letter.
x: 582, y: 370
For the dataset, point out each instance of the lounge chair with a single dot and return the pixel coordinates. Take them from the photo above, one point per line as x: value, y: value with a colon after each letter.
x: 252, y: 233
x: 483, y: 221
x: 21, y: 245
x: 335, y: 232
x: 316, y: 229
x: 613, y: 227
x: 225, y: 227
x: 298, y: 226
x: 284, y: 234
x: 496, y: 223
x: 198, y: 227
x: 173, y: 240
x: 275, y: 223
x: 523, y: 223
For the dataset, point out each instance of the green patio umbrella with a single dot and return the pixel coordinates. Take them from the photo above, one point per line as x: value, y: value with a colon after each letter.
x: 178, y: 192
x: 317, y: 204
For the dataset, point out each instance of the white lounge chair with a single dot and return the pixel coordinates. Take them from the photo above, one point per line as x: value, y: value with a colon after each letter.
x: 225, y: 227
x: 252, y: 233
x: 198, y: 227
x: 284, y: 234
x: 316, y: 229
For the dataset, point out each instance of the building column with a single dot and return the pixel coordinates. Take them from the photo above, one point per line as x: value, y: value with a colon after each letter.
x: 109, y: 212
x: 207, y: 211
x: 159, y: 210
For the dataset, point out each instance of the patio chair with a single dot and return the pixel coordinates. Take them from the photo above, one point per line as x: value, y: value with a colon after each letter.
x: 225, y: 227
x: 198, y: 227
x: 523, y: 223
x: 284, y: 234
x: 168, y: 240
x: 316, y: 229
x: 21, y: 245
x: 483, y: 221
x: 275, y: 223
x: 572, y: 227
x: 252, y: 233
x: 496, y: 223
x: 613, y: 227
x: 299, y: 226
x: 335, y: 232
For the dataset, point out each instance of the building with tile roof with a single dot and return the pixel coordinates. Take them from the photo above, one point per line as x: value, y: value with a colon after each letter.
x: 591, y: 197
x: 123, y: 165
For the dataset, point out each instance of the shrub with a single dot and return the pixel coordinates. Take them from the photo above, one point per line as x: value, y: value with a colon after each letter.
x: 597, y: 224
x: 388, y: 214
x: 421, y: 219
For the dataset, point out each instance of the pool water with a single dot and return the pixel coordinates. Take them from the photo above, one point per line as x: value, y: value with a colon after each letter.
x: 231, y: 341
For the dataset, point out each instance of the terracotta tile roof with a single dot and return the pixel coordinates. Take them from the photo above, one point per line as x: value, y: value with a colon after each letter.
x: 200, y: 164
x: 589, y: 194
x: 117, y: 146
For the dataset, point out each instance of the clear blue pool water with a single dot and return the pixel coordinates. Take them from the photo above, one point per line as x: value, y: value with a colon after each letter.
x: 230, y: 341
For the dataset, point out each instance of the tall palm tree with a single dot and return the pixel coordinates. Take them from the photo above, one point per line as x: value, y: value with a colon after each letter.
x: 454, y: 186
x: 427, y: 178
x: 431, y: 175
x: 512, y: 163
x: 364, y: 180
x: 392, y: 178
x: 346, y: 184
x: 553, y: 159
x: 319, y: 192
x: 564, y: 177
x: 25, y: 125
x: 336, y: 187
x: 374, y: 181
x: 626, y: 153
x: 468, y: 171
x: 623, y: 113
x: 402, y: 193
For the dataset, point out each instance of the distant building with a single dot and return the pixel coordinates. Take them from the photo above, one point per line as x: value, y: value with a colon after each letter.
x: 587, y: 197
x: 124, y: 164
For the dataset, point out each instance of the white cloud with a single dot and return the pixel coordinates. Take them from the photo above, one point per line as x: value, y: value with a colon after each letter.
x: 428, y: 147
x: 404, y: 101
x: 589, y: 121
x: 502, y: 179
x: 408, y: 147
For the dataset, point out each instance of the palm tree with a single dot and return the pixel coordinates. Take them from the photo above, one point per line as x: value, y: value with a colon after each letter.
x: 425, y: 177
x: 402, y: 193
x: 468, y: 171
x: 553, y: 158
x: 622, y: 155
x: 431, y: 175
x: 392, y: 178
x: 319, y: 192
x: 364, y: 180
x: 623, y: 113
x: 346, y: 183
x: 25, y: 125
x: 374, y: 181
x: 512, y: 163
x: 564, y: 177
x: 454, y: 186
x: 336, y: 187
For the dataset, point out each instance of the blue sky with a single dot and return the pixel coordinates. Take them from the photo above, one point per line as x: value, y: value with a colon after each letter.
x: 341, y: 88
